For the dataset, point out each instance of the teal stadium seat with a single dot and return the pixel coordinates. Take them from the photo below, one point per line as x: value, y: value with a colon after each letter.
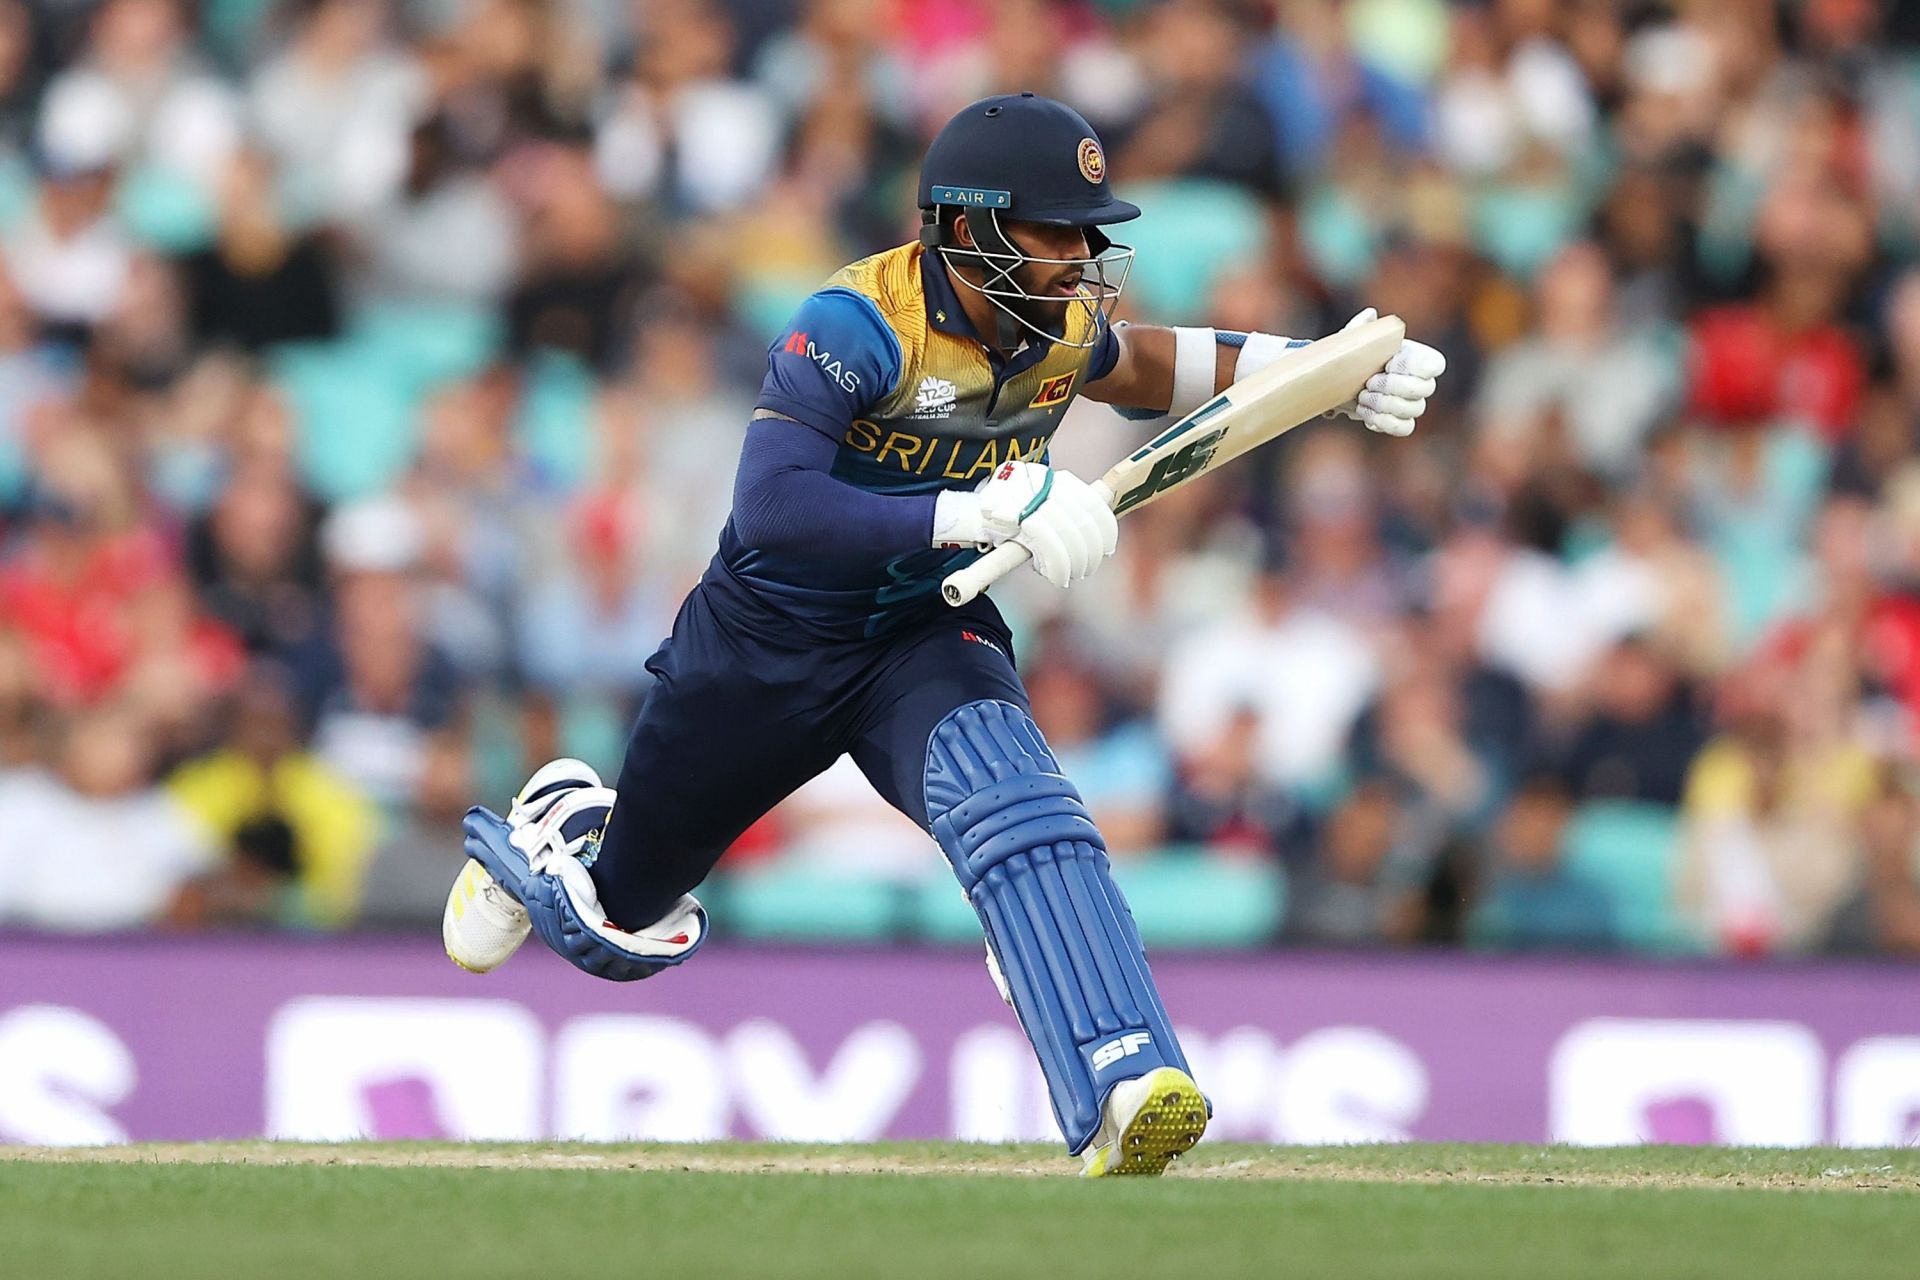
x: 17, y: 191
x: 1190, y: 234
x: 356, y: 428
x: 356, y: 402
x: 939, y: 911
x: 767, y: 303
x: 555, y: 425
x: 166, y: 210
x: 1189, y: 899
x: 791, y: 902
x: 1184, y: 899
x: 1628, y: 849
x: 231, y: 28
x: 1522, y: 226
x: 1339, y: 235
x: 424, y: 345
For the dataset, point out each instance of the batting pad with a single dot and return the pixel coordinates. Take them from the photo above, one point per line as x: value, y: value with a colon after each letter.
x: 1035, y: 868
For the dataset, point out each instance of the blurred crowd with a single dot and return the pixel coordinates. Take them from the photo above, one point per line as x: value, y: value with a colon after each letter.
x: 372, y: 373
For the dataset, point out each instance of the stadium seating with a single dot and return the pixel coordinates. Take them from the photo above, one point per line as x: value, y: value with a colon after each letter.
x: 1192, y: 232
x: 785, y: 901
x: 1628, y: 850
x: 1180, y: 899
x: 1188, y: 899
x: 166, y: 210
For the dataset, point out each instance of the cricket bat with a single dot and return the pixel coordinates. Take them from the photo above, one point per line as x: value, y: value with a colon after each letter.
x: 1296, y: 388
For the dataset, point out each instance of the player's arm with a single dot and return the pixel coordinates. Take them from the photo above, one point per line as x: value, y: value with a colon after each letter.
x: 835, y: 362
x: 1174, y: 371
x: 786, y: 500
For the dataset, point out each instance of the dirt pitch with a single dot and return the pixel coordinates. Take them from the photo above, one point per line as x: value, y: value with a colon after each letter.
x: 1654, y: 1167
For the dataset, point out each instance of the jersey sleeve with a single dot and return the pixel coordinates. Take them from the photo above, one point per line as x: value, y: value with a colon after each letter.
x: 836, y: 360
x: 1106, y: 352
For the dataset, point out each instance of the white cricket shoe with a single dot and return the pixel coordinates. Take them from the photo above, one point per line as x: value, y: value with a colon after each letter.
x: 483, y: 926
x: 1146, y: 1123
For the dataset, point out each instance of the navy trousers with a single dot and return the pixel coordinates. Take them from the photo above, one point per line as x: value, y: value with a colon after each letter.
x: 745, y: 708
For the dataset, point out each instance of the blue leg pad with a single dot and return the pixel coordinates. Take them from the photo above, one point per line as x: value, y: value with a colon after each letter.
x: 1035, y: 868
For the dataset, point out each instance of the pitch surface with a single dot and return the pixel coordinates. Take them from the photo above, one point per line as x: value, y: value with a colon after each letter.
x: 722, y: 1210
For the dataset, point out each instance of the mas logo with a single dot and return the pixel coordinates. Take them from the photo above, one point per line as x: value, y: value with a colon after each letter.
x: 977, y: 638
x: 799, y: 344
x: 1093, y: 161
x: 1053, y: 391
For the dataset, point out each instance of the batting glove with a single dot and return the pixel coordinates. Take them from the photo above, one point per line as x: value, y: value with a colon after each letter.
x: 1064, y: 521
x: 1394, y: 398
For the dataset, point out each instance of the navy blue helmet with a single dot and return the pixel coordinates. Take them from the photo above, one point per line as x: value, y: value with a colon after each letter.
x: 1024, y: 157
x: 1019, y: 157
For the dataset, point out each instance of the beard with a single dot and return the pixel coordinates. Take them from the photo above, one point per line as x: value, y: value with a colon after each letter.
x: 1043, y: 312
x: 1049, y: 314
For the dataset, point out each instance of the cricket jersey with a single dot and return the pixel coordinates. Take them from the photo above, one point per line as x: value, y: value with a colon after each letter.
x: 883, y: 363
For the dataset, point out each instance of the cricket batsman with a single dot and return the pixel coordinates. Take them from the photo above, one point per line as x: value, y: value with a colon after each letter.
x: 902, y: 430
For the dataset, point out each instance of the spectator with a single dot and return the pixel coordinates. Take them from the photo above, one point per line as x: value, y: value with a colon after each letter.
x: 1300, y: 674
x: 683, y: 130
x: 837, y: 823
x: 1416, y: 738
x: 254, y: 887
x: 419, y: 855
x: 1120, y: 769
x: 334, y: 107
x: 1640, y: 732
x: 143, y: 94
x: 30, y: 375
x: 261, y: 283
x: 378, y: 687
x: 497, y: 277
x: 69, y: 256
x: 478, y: 534
x: 1221, y: 802
x: 588, y: 621
x: 282, y: 814
x: 1362, y: 891
x: 581, y: 281
x: 84, y: 562
x: 1510, y: 86
x: 1652, y: 581
x: 93, y: 844
x: 255, y: 557
x: 1882, y: 916
x: 1582, y: 372
x: 1312, y: 77
x: 447, y: 235
x: 1786, y: 355
x: 1201, y: 120
x: 1768, y: 812
x: 1530, y: 901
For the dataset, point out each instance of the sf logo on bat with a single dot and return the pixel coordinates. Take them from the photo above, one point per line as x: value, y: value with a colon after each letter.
x: 1188, y: 460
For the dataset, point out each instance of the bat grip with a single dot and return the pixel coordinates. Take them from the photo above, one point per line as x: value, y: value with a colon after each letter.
x: 963, y: 585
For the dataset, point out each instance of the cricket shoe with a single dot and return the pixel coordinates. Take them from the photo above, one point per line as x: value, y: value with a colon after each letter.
x: 484, y: 923
x: 1146, y: 1122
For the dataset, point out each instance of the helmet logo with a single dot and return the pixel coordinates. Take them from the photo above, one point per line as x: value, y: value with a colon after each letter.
x: 1093, y: 161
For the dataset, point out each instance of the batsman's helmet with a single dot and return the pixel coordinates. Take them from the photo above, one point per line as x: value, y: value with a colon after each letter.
x: 1025, y: 158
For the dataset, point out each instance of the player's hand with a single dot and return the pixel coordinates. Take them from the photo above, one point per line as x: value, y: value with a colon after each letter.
x: 1055, y: 514
x: 1394, y: 398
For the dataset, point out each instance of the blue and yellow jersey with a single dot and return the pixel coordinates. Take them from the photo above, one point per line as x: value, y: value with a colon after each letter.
x: 883, y: 361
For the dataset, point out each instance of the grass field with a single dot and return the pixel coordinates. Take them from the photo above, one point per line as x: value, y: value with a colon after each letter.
x: 932, y: 1211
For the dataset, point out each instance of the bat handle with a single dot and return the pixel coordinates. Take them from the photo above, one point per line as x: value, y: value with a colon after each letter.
x: 963, y: 585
